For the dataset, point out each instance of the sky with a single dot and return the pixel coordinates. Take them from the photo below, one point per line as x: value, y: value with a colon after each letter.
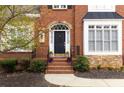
x: 68, y: 2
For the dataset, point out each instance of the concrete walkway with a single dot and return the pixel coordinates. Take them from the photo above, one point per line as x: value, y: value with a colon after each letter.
x: 72, y: 80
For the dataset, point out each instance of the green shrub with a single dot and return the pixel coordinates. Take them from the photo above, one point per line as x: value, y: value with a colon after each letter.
x: 8, y: 65
x: 81, y: 64
x: 37, y: 66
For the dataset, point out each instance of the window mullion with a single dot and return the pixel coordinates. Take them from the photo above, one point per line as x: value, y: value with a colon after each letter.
x: 103, y: 39
x: 117, y: 39
x: 95, y: 38
x: 110, y: 39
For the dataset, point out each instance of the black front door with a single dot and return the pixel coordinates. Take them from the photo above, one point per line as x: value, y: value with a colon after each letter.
x: 59, y: 42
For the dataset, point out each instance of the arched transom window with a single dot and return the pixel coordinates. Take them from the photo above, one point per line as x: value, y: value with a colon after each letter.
x: 59, y: 27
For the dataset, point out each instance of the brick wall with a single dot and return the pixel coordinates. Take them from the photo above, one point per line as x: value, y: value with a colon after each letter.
x: 80, y: 12
x: 120, y: 10
x: 72, y: 16
x: 15, y: 55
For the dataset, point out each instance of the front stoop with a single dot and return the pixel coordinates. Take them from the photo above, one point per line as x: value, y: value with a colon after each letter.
x: 59, y: 66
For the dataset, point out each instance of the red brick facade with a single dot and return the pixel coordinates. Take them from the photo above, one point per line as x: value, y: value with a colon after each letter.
x: 120, y: 10
x: 16, y: 55
x: 71, y: 16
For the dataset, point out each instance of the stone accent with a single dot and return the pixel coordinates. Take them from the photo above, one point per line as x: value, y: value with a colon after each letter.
x: 114, y: 61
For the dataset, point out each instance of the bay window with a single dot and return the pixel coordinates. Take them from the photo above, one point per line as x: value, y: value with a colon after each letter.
x: 102, y: 38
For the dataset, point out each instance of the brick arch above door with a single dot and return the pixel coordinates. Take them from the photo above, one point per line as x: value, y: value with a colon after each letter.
x: 50, y: 25
x: 59, y: 28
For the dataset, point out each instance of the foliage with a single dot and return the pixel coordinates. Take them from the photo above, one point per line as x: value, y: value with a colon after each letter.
x: 81, y: 64
x: 17, y: 36
x: 8, y: 65
x: 16, y: 26
x: 37, y: 66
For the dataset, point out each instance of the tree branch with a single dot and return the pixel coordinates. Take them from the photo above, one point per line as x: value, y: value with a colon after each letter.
x: 12, y: 48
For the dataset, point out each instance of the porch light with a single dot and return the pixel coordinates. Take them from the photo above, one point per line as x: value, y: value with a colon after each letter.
x: 41, y: 37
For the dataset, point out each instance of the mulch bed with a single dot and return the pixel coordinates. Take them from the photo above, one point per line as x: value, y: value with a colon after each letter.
x: 24, y: 79
x: 101, y: 74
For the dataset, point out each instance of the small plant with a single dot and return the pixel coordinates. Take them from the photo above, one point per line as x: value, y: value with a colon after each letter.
x: 50, y: 53
x: 81, y: 64
x: 37, y: 66
x: 98, y: 67
x: 50, y: 60
x: 8, y: 65
x: 69, y: 60
x: 67, y: 54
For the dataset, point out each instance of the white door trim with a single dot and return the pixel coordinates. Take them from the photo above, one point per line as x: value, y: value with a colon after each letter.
x: 67, y: 41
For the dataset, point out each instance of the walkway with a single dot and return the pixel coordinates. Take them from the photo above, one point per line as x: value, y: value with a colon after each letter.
x: 71, y: 80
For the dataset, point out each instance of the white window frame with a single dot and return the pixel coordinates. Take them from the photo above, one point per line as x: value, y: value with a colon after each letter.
x: 88, y: 22
x: 59, y: 7
x: 101, y: 8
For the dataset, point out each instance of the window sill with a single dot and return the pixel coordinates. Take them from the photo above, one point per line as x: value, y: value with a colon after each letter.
x: 59, y: 9
x: 103, y: 53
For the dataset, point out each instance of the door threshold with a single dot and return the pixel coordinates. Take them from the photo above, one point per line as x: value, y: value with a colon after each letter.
x: 59, y: 55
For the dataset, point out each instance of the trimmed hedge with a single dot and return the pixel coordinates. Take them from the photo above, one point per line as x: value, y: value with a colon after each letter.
x: 81, y: 64
x: 37, y: 66
x: 24, y: 64
x: 8, y: 65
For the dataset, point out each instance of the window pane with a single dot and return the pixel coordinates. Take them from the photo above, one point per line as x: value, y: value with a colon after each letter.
x: 91, y: 26
x: 106, y: 27
x: 63, y: 6
x: 91, y: 45
x: 114, y: 35
x: 56, y: 6
x: 99, y: 45
x: 106, y: 35
x: 98, y: 26
x: 99, y: 35
x: 113, y: 26
x: 107, y: 45
x: 91, y: 35
x: 114, y: 45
